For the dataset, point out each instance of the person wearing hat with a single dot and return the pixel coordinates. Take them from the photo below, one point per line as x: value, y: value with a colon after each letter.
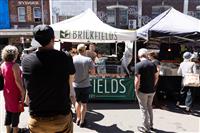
x: 187, y: 66
x: 84, y: 66
x: 146, y: 77
x: 46, y: 75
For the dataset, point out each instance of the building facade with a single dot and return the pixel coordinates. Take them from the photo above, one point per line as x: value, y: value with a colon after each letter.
x: 21, y: 16
x: 124, y: 13
x: 27, y: 14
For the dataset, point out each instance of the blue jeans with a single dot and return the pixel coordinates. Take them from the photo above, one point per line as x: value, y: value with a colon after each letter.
x: 187, y: 94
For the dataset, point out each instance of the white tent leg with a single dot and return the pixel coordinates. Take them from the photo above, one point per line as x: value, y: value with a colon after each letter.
x: 135, y: 54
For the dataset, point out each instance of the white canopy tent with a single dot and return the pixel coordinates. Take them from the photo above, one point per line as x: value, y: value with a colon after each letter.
x: 171, y: 23
x: 87, y: 27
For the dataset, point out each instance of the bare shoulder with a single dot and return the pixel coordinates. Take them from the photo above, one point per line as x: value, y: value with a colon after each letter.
x: 16, y: 66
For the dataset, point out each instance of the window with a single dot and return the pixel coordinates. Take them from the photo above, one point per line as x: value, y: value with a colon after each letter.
x: 157, y: 10
x: 37, y: 15
x: 21, y: 14
x: 198, y: 14
x: 111, y: 17
x: 123, y: 17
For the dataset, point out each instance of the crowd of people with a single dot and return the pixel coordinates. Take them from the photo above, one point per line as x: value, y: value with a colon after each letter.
x: 50, y: 81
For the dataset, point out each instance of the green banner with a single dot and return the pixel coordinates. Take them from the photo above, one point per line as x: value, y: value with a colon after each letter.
x: 112, y: 89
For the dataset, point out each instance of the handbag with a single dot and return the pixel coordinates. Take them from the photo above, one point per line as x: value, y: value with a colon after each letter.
x: 191, y: 80
x: 1, y: 82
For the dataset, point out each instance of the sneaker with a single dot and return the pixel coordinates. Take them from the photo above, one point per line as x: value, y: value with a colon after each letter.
x: 143, y: 129
x: 188, y: 110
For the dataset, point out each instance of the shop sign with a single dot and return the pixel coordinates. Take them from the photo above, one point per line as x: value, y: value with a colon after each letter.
x: 112, y: 89
x: 27, y: 2
x: 88, y: 35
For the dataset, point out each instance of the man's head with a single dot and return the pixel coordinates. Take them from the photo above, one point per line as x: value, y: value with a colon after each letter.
x: 92, y: 47
x: 81, y: 48
x: 152, y: 55
x: 43, y: 34
x: 142, y: 53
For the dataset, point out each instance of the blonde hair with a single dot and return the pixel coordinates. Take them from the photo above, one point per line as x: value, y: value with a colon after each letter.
x: 81, y: 48
x: 9, y: 53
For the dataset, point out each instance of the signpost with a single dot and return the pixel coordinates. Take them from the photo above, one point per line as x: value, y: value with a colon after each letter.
x: 112, y: 89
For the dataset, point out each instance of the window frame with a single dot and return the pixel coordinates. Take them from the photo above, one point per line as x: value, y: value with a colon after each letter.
x: 35, y: 16
x: 20, y: 15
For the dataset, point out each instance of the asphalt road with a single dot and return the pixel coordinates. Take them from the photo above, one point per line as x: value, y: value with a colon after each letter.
x: 124, y: 117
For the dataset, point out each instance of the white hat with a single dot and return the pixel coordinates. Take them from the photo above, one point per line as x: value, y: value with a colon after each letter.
x: 142, y: 52
x: 187, y: 55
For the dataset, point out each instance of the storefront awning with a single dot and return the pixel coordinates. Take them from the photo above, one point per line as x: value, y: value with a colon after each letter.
x: 15, y: 32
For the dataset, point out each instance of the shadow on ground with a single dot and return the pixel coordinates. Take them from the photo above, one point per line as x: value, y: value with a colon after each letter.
x: 166, y: 105
x: 170, y: 106
x: 93, y: 117
x: 161, y: 131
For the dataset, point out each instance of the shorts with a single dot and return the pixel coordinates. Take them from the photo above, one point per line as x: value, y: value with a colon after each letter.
x: 82, y: 94
x: 12, y: 119
x: 52, y: 124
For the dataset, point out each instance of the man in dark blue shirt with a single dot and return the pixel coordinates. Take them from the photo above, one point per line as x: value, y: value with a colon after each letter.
x: 146, y: 77
x: 46, y: 75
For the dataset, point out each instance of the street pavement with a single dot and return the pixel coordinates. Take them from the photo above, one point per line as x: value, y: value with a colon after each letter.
x: 124, y: 117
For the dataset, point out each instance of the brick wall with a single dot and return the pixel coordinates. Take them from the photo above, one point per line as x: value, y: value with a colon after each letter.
x: 29, y: 17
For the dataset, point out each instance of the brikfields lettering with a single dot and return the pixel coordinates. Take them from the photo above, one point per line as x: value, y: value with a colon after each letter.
x: 88, y: 35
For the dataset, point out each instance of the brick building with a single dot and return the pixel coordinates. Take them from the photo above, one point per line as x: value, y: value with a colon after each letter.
x: 126, y: 15
x: 26, y: 13
x: 23, y: 15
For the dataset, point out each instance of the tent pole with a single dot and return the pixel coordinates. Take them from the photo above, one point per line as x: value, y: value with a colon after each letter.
x: 135, y: 54
x: 116, y: 48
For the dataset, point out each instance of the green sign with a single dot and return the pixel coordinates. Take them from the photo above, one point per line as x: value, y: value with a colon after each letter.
x: 112, y: 89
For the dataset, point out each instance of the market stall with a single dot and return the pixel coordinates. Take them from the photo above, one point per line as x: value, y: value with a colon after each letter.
x: 88, y: 28
x: 175, y: 33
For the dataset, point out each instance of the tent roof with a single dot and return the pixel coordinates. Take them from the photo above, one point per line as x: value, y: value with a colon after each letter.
x: 170, y: 23
x: 87, y: 27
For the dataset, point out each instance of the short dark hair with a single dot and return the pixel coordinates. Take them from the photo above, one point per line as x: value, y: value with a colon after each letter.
x: 43, y: 34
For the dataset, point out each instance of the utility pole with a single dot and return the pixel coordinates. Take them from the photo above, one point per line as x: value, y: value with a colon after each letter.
x: 51, y: 14
x: 94, y: 6
x: 42, y: 6
x: 139, y: 13
x: 185, y: 6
